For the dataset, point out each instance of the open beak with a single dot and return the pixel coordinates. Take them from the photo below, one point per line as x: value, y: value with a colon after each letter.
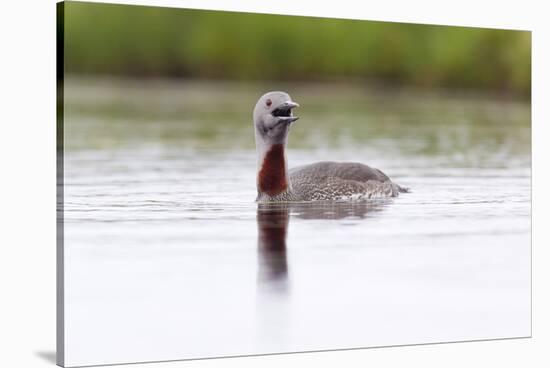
x: 284, y: 112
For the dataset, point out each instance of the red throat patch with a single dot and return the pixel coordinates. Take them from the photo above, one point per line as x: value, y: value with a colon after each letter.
x: 272, y: 178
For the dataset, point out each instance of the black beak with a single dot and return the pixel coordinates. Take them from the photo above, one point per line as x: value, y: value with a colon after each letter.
x: 284, y: 112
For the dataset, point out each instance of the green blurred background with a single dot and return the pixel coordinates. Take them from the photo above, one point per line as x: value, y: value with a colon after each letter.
x: 142, y: 41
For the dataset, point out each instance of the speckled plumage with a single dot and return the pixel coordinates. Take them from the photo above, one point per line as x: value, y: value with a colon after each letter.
x: 324, y: 181
x: 337, y: 180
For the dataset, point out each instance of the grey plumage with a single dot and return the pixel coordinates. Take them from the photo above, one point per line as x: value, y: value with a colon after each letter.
x: 329, y: 180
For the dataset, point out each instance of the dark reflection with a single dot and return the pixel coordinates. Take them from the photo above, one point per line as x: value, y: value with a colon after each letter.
x: 273, y: 220
x: 337, y: 210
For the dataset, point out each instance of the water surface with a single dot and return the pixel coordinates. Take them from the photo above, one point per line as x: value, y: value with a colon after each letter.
x: 168, y: 256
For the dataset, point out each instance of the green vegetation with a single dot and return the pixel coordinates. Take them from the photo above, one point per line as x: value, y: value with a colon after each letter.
x: 164, y: 42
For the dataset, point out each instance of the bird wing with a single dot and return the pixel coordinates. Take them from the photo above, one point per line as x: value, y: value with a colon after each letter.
x: 342, y: 170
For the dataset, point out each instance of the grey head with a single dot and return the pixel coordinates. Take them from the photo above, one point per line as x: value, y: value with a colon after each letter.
x: 273, y: 117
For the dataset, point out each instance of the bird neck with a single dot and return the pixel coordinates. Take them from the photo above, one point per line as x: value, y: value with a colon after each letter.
x: 272, y: 176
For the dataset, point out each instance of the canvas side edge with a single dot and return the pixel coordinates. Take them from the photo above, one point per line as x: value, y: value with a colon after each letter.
x: 60, y: 259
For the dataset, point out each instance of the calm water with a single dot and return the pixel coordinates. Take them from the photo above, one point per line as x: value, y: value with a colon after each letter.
x: 168, y: 256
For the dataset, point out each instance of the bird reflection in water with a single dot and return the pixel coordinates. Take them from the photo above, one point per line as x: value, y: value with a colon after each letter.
x: 273, y: 221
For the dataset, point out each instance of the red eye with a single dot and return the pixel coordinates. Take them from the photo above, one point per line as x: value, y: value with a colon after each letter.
x: 268, y: 102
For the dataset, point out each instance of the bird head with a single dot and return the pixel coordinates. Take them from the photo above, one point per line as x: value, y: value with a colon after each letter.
x: 273, y: 116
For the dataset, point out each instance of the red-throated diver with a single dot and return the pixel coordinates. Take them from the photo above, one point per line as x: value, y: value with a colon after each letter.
x: 319, y: 181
